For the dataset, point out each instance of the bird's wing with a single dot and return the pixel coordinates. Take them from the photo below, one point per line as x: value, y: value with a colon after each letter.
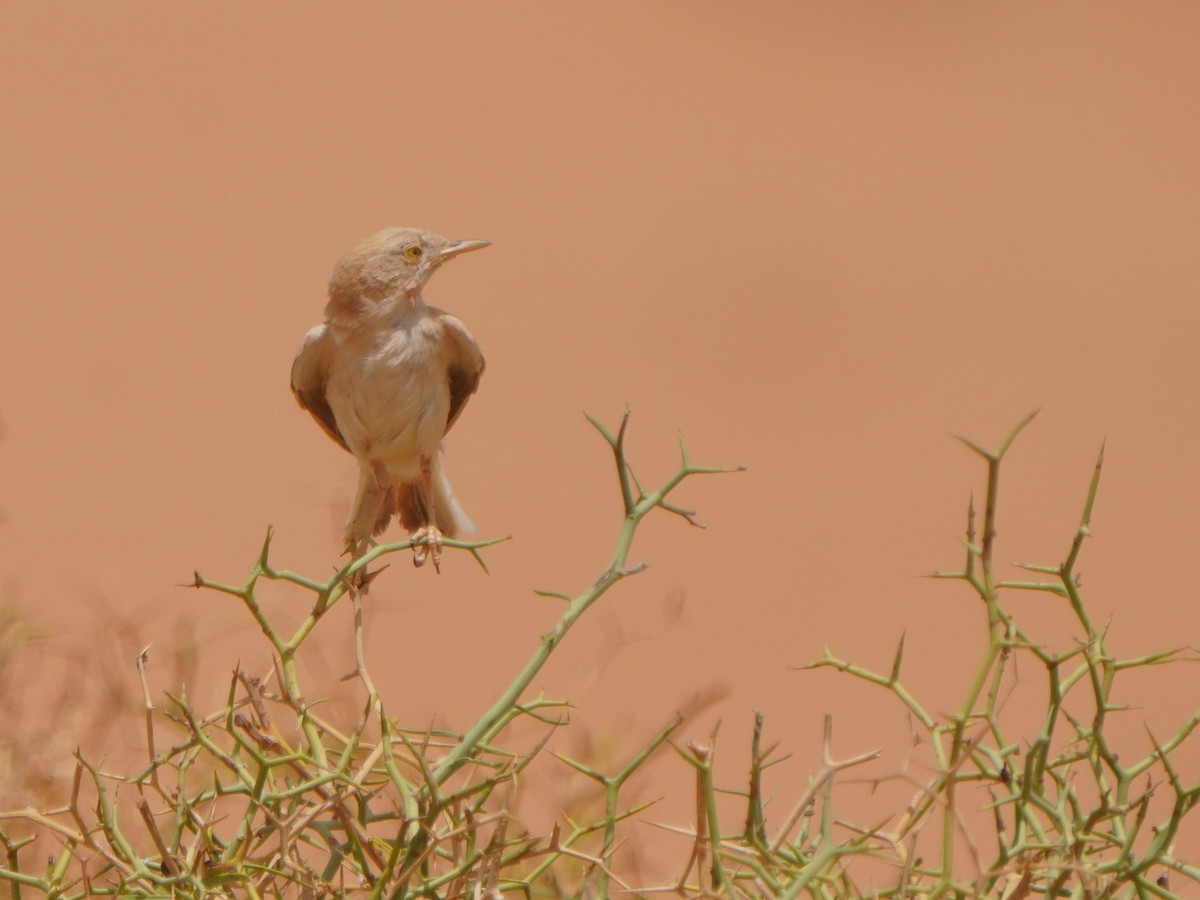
x: 310, y: 370
x: 464, y: 364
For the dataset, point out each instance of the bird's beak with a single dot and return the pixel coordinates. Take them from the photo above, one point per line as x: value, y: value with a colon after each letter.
x: 461, y: 247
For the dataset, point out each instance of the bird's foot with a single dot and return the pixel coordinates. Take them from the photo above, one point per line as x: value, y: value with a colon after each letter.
x: 427, y: 544
x: 360, y: 581
x: 357, y: 543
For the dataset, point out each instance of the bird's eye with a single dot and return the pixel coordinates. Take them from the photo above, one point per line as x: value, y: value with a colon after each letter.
x: 414, y: 252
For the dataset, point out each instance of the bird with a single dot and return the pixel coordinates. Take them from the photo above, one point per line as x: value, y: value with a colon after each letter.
x: 386, y: 376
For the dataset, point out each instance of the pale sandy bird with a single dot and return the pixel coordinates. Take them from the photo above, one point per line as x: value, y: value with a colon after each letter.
x: 386, y: 376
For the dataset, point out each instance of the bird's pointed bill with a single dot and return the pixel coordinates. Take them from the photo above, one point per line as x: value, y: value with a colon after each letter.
x: 462, y: 247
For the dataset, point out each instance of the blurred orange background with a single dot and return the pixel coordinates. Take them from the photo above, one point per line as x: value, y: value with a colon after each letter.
x: 816, y: 239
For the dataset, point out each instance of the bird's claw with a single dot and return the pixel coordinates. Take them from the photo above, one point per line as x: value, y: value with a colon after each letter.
x: 427, y: 544
x: 357, y: 544
x: 361, y: 580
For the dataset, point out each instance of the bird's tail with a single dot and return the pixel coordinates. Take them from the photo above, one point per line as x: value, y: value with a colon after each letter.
x: 387, y: 509
x: 407, y: 500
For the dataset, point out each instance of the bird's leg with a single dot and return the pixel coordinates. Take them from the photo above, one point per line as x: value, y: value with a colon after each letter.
x: 363, y: 514
x: 356, y: 535
x: 427, y: 540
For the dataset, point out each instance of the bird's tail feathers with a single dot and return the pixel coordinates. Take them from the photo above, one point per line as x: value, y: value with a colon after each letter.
x: 387, y: 509
x: 408, y: 502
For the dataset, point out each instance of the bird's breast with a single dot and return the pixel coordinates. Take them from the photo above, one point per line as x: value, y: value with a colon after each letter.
x: 391, y: 396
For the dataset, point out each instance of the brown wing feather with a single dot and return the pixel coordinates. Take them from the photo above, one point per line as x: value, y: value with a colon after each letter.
x: 464, y: 366
x: 308, y: 382
x: 462, y: 385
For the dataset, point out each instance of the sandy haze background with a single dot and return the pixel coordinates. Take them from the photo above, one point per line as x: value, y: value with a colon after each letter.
x: 817, y: 239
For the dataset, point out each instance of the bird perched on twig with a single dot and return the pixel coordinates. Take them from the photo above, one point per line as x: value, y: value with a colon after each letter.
x: 386, y: 376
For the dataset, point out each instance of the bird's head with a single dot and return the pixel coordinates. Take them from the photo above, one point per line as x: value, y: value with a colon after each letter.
x: 389, y: 264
